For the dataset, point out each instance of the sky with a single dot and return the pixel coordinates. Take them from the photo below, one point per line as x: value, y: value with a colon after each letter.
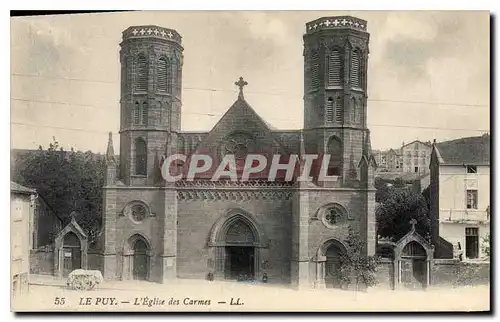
x: 428, y: 73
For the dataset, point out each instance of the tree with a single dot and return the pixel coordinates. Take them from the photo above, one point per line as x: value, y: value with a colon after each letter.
x: 395, y: 212
x: 354, y: 265
x: 68, y: 181
x: 486, y: 245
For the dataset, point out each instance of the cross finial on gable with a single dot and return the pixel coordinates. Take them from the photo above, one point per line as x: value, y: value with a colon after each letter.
x: 413, y: 222
x: 241, y: 83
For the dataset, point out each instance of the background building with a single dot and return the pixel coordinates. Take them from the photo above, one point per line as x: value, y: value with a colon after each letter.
x: 21, y: 210
x: 460, y: 195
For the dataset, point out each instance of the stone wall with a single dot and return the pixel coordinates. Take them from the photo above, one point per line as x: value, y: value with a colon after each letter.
x: 42, y: 261
x: 385, y: 274
x: 454, y: 273
x: 197, y: 217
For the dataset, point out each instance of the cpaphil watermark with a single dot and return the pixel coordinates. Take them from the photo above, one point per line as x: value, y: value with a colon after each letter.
x: 294, y: 167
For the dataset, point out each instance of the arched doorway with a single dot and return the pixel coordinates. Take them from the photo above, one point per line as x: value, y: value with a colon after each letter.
x: 328, y: 264
x: 240, y: 252
x: 72, y: 254
x: 413, y: 266
x: 332, y: 267
x: 140, y: 263
x: 236, y: 243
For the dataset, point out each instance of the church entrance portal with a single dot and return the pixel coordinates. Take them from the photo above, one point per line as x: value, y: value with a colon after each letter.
x: 240, y: 251
x: 240, y: 263
x: 332, y: 267
x: 140, y: 261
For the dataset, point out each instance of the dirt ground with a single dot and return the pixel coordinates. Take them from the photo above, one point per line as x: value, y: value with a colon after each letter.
x: 220, y: 296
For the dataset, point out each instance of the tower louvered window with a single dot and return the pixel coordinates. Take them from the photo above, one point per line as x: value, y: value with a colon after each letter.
x: 315, y: 70
x: 329, y: 109
x: 145, y: 113
x: 358, y: 111
x: 356, y: 69
x: 339, y: 110
x: 163, y: 75
x: 178, y: 79
x: 353, y: 109
x: 334, y: 69
x: 137, y: 113
x: 141, y: 74
x: 140, y: 157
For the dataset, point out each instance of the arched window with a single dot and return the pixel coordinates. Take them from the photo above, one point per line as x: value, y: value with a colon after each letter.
x: 180, y: 145
x: 358, y: 109
x: 339, y: 110
x: 178, y: 79
x: 353, y: 109
x: 145, y: 113
x: 334, y: 69
x: 164, y: 75
x: 356, y: 69
x: 137, y: 113
x: 314, y: 70
x: 329, y: 109
x: 141, y: 74
x: 334, y: 149
x: 140, y: 157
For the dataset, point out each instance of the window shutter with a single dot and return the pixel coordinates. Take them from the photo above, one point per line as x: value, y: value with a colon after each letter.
x: 338, y: 110
x: 145, y: 113
x: 329, y: 109
x: 162, y: 75
x: 355, y: 69
x: 334, y: 69
x: 137, y: 113
x: 142, y: 74
x: 315, y: 70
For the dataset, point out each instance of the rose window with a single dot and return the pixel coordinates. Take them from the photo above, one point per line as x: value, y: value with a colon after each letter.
x: 138, y: 212
x: 239, y: 145
x: 333, y: 216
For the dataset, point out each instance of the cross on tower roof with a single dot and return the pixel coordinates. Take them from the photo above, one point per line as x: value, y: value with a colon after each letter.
x: 413, y: 222
x: 240, y: 83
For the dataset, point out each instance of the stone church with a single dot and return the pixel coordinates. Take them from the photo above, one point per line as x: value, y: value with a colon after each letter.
x: 291, y: 232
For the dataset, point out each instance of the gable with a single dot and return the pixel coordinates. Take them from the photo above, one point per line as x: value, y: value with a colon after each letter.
x: 241, y: 118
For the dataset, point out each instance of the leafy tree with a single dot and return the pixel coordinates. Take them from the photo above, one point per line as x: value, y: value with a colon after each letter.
x: 69, y: 181
x: 395, y: 212
x: 356, y: 268
x: 486, y: 245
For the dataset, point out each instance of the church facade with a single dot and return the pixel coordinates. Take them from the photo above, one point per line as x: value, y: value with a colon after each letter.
x: 290, y: 231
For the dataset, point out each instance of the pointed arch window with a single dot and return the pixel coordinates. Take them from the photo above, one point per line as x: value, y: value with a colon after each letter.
x: 334, y: 149
x: 178, y: 79
x: 141, y: 74
x: 356, y: 69
x: 145, y: 109
x: 314, y: 70
x: 358, y: 108
x: 164, y: 75
x: 352, y: 109
x: 334, y: 69
x: 140, y: 157
x: 137, y: 113
x: 329, y: 109
x: 339, y: 111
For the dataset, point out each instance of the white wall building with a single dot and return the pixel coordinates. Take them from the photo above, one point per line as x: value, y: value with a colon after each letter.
x: 460, y: 196
x: 21, y: 213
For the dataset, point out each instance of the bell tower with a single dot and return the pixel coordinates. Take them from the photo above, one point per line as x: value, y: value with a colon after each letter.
x: 150, y: 101
x: 335, y: 92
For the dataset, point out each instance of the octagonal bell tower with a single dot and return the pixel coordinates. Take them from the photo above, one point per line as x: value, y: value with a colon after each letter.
x: 335, y: 92
x: 150, y: 102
